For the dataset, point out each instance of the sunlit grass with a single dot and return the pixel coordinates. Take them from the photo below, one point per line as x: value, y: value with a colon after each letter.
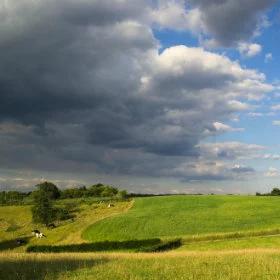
x: 230, y: 265
x: 16, y: 222
x: 179, y: 216
x: 260, y: 242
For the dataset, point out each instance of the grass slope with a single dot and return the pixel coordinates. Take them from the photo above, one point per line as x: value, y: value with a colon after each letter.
x: 179, y: 216
x: 261, y: 242
x: 238, y: 265
x: 16, y: 222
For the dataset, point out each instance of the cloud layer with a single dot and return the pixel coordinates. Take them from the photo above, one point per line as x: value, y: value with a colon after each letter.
x: 85, y: 89
x: 220, y: 22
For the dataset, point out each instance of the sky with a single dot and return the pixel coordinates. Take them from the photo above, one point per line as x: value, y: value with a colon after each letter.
x: 153, y: 96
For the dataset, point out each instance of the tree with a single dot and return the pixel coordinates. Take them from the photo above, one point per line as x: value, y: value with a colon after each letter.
x: 43, y: 211
x: 49, y: 188
x: 108, y: 191
x: 275, y: 191
x: 122, y: 194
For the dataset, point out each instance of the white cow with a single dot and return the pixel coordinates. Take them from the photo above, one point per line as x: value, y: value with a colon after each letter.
x: 40, y: 235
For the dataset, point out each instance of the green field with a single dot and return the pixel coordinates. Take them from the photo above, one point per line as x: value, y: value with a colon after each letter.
x: 224, y: 237
x: 180, y: 216
x: 16, y: 222
x: 237, y: 265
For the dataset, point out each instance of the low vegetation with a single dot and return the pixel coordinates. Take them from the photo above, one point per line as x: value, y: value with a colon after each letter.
x: 87, y: 212
x: 209, y: 237
x: 274, y: 192
x: 188, y: 216
x: 146, y: 245
x: 13, y: 197
x: 97, y: 190
x: 231, y: 265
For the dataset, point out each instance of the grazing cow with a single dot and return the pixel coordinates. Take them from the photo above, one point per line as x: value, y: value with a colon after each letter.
x: 40, y: 235
x: 37, y: 233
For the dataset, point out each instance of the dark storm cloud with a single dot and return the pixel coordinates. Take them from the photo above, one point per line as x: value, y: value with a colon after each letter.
x: 83, y: 88
x: 232, y: 21
x: 54, y: 65
x: 216, y: 22
x: 101, y: 12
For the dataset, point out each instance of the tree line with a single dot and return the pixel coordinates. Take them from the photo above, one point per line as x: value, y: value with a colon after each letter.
x: 44, y: 211
x: 97, y: 190
x: 274, y: 192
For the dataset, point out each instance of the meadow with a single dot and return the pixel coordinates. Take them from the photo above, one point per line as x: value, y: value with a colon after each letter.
x: 231, y: 265
x: 16, y: 222
x: 185, y: 216
x: 221, y: 237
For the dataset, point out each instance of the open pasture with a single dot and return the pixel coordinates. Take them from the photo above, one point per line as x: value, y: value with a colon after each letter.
x: 231, y: 265
x: 185, y: 216
x: 224, y: 237
x: 16, y: 222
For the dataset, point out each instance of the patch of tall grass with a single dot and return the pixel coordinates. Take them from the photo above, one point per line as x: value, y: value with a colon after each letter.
x: 237, y: 265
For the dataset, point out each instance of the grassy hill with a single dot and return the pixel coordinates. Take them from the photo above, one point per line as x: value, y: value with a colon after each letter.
x: 16, y: 222
x: 224, y: 237
x: 178, y: 216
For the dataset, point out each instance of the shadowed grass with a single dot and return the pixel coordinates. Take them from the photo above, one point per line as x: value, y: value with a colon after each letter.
x: 22, y: 268
x: 13, y: 243
x: 97, y: 246
x: 147, y: 245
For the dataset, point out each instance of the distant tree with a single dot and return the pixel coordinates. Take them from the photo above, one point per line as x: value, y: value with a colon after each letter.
x: 73, y: 193
x: 12, y: 197
x: 122, y: 194
x: 96, y: 190
x: 258, y: 194
x: 275, y: 191
x: 109, y: 191
x: 43, y: 211
x: 50, y: 189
